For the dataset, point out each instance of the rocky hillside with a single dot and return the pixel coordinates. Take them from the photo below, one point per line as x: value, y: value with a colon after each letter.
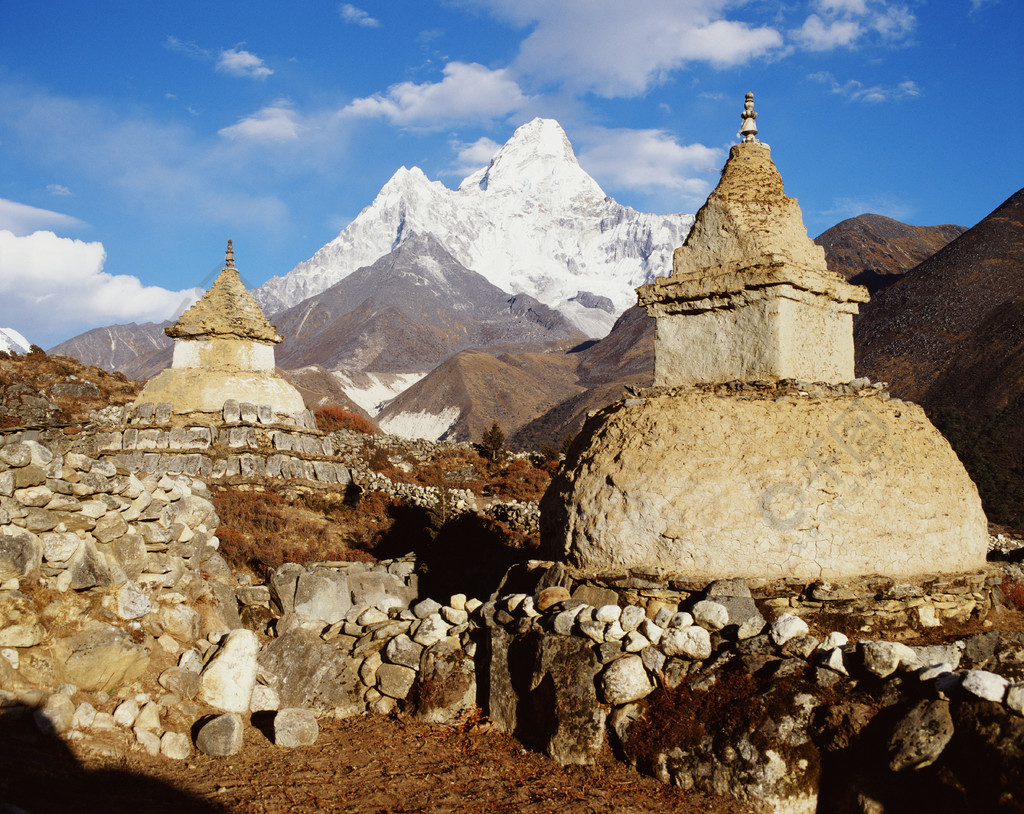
x: 409, y: 311
x: 37, y: 389
x: 873, y: 250
x: 950, y: 335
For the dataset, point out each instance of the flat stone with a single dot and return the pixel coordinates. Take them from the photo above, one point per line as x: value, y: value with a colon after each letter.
x: 295, y: 727
x: 986, y: 685
x: 228, y: 679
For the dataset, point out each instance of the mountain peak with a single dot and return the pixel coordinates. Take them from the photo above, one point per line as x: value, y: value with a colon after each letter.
x: 538, y: 156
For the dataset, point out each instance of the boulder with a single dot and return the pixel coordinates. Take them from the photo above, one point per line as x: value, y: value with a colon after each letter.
x: 101, y: 657
x: 308, y: 672
x: 221, y: 736
x: 227, y: 681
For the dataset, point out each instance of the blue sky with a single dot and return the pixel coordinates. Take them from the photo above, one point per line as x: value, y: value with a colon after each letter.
x: 135, y: 138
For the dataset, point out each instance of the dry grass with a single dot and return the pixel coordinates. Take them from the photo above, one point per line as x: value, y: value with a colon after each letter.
x: 261, y: 529
x: 331, y: 418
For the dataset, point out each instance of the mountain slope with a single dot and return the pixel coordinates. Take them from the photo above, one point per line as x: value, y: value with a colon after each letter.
x: 465, y: 395
x: 873, y: 250
x: 531, y: 222
x: 950, y: 335
x: 409, y: 311
x: 115, y: 347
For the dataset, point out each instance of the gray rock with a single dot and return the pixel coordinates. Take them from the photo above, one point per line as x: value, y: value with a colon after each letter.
x: 883, y: 658
x: 323, y: 594
x: 308, y: 672
x: 395, y: 681
x: 986, y: 685
x: 787, y: 627
x: 55, y: 716
x: 632, y: 617
x: 446, y: 685
x: 919, y: 737
x: 295, y: 727
x: 710, y: 615
x: 20, y: 553
x: 404, y: 651
x: 264, y: 699
x: 227, y: 681
x: 221, y: 736
x: 101, y: 657
x: 181, y: 681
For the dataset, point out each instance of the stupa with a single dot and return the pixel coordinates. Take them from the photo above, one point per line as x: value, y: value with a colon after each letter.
x: 223, y: 350
x: 757, y: 454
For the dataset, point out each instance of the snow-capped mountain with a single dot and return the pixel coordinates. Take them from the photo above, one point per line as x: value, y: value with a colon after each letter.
x: 11, y: 340
x: 532, y: 221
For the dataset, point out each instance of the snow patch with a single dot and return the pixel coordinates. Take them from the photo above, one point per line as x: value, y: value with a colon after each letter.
x: 372, y: 391
x: 11, y: 340
x: 429, y: 426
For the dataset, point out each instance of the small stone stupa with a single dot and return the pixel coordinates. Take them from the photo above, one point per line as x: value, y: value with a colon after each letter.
x: 757, y: 454
x: 750, y: 296
x: 223, y: 350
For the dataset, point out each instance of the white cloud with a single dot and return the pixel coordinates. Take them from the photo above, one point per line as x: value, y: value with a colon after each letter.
x: 646, y: 160
x: 190, y: 49
x: 817, y: 35
x: 845, y: 23
x: 59, y: 190
x: 356, y: 16
x: 235, y: 62
x: 277, y: 122
x: 857, y: 91
x: 473, y: 156
x: 49, y: 283
x: 468, y: 92
x: 621, y: 49
x: 22, y: 219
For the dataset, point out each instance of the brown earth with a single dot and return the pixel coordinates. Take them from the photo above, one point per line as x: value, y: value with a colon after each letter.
x: 359, y: 765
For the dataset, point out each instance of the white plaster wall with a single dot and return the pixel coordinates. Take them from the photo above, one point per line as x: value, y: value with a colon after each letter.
x: 223, y: 353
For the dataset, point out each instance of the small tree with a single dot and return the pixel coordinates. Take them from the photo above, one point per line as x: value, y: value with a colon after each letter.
x: 492, y: 441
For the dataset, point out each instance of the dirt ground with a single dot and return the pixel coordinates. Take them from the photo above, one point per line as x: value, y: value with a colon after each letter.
x: 358, y: 766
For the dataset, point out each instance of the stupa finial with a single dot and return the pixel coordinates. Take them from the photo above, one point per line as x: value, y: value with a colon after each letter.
x: 229, y: 255
x: 748, y: 132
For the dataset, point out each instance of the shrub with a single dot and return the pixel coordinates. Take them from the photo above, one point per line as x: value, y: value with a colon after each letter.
x: 331, y: 418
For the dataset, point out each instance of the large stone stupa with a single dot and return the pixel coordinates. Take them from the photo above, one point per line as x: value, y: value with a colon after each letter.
x: 756, y: 454
x: 223, y: 350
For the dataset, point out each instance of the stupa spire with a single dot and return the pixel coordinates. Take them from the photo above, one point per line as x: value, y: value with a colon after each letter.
x: 748, y: 132
x: 229, y: 256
